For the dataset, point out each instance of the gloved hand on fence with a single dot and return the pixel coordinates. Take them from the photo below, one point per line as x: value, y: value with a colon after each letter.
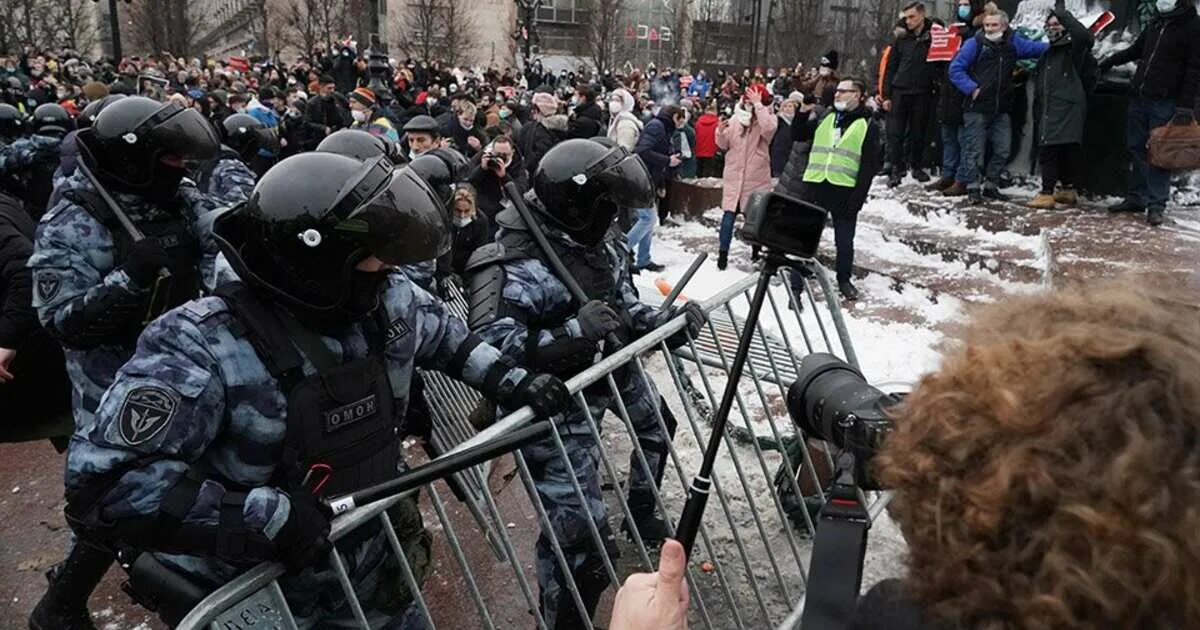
x: 695, y: 323
x: 597, y: 319
x: 545, y: 394
x: 303, y: 541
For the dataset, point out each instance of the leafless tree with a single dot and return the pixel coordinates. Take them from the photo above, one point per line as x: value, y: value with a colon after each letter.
x: 602, y: 31
x: 799, y: 31
x: 74, y: 22
x: 444, y: 29
x: 312, y: 24
x: 164, y: 25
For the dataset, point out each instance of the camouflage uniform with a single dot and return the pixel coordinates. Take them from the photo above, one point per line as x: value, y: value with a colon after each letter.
x: 224, y: 413
x: 21, y: 164
x: 534, y: 301
x: 228, y: 178
x: 75, y: 264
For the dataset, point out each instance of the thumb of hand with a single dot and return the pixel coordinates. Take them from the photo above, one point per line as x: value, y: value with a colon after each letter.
x: 671, y: 565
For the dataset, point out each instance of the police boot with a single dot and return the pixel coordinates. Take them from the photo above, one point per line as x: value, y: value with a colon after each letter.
x: 650, y: 526
x: 64, y: 606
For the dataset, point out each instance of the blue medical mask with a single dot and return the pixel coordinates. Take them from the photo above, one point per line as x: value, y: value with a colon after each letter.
x: 964, y: 11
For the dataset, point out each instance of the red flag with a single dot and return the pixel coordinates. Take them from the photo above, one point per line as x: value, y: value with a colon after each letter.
x: 1102, y: 22
x: 241, y: 64
x: 943, y: 42
x: 629, y: 32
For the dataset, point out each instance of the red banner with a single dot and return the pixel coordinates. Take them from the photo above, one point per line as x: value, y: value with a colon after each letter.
x: 241, y: 64
x: 944, y: 42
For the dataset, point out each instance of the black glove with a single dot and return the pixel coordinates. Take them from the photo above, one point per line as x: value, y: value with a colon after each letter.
x: 695, y: 323
x: 1105, y: 65
x: 303, y: 541
x: 547, y: 395
x: 146, y: 258
x: 596, y: 319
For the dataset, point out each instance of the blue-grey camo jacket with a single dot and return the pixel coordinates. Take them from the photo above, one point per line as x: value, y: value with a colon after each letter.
x: 230, y: 181
x: 226, y: 413
x: 74, y: 261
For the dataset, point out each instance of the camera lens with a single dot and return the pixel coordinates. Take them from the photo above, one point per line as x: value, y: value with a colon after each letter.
x: 832, y: 401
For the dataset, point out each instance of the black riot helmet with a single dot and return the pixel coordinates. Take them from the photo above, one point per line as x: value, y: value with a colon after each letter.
x: 442, y: 169
x: 582, y: 186
x: 12, y: 122
x: 360, y: 145
x: 139, y: 145
x: 246, y: 134
x: 93, y: 109
x: 313, y: 217
x: 50, y: 119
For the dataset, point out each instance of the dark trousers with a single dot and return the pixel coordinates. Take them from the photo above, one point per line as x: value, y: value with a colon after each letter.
x: 906, y: 130
x: 845, y: 222
x: 1059, y: 163
x: 708, y: 167
x: 1149, y: 186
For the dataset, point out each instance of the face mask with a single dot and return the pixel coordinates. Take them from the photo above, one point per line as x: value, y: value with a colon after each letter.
x: 431, y: 101
x: 466, y: 124
x: 574, y: 101
x: 61, y: 94
x: 504, y: 113
x: 1165, y: 6
x: 964, y: 11
x: 358, y: 115
x: 462, y: 221
x: 787, y: 117
x: 742, y: 117
x: 841, y: 106
x: 825, y: 71
x: 615, y: 107
x: 994, y: 37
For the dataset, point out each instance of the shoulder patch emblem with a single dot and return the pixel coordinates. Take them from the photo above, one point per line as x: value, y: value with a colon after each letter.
x: 146, y: 412
x: 47, y: 285
x: 397, y: 330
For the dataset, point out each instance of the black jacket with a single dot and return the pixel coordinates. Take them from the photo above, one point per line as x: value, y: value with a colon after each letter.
x: 457, y: 134
x: 467, y: 239
x: 539, y: 137
x: 907, y: 70
x: 781, y: 145
x: 489, y: 194
x: 40, y: 389
x: 320, y: 113
x: 791, y: 180
x: 1168, y: 56
x: 589, y: 110
x: 655, y: 147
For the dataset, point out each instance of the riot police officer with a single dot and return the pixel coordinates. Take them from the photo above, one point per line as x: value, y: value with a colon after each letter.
x: 519, y: 305
x: 68, y: 153
x: 12, y: 124
x: 442, y: 169
x: 228, y: 177
x: 360, y: 145
x: 27, y: 165
x: 96, y: 284
x: 203, y: 446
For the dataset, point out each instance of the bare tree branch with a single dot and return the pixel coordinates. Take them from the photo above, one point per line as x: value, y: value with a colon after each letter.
x: 458, y: 30
x: 602, y: 31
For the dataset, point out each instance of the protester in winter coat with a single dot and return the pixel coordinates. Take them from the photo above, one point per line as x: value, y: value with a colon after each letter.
x: 969, y: 14
x: 657, y: 151
x: 706, y: 141
x: 495, y: 162
x: 821, y: 85
x: 461, y: 130
x: 781, y: 142
x: 908, y: 94
x: 547, y: 129
x: 685, y: 146
x: 701, y: 86
x: 746, y: 140
x: 833, y: 162
x: 1060, y: 107
x: 323, y: 112
x: 982, y: 72
x: 469, y: 229
x: 1166, y: 84
x: 586, y: 106
x: 345, y: 70
x: 624, y: 128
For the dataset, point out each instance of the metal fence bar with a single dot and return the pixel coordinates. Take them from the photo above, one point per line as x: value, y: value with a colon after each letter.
x: 405, y: 568
x: 335, y: 560
x: 484, y: 615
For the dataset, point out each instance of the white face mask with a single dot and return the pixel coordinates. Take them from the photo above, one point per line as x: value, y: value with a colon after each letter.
x: 462, y: 221
x: 825, y: 71
x: 358, y: 115
x: 994, y: 37
x: 615, y: 107
x: 742, y: 117
x: 1165, y: 6
x: 431, y: 101
x: 466, y: 124
x: 841, y: 106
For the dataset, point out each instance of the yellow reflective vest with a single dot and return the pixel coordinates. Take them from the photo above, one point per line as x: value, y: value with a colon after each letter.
x: 836, y: 159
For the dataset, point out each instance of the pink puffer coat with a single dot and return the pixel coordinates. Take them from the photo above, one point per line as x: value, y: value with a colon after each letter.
x: 747, y: 156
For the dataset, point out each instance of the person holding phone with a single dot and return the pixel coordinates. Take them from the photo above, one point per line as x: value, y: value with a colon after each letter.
x: 746, y: 140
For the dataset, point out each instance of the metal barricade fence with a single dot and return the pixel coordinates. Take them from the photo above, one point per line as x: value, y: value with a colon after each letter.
x: 749, y: 567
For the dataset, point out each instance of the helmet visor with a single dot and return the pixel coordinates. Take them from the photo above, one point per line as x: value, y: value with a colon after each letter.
x: 182, y: 132
x: 627, y: 183
x: 402, y: 224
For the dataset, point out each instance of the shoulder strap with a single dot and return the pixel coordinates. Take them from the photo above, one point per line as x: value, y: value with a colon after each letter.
x: 265, y: 334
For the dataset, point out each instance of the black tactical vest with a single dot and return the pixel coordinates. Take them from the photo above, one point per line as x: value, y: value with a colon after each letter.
x: 342, y: 430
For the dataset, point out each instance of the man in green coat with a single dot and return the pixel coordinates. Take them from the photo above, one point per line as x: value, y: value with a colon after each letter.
x: 1060, y: 106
